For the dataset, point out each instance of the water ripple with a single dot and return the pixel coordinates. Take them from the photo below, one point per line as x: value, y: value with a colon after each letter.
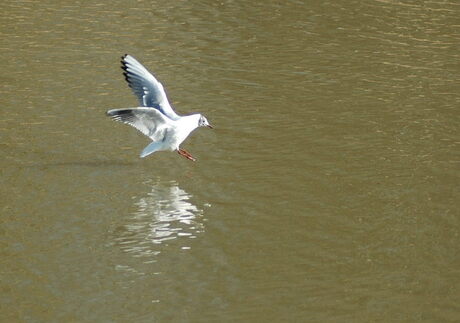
x: 162, y: 215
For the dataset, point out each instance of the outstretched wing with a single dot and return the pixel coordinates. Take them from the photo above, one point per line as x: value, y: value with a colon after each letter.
x: 145, y: 86
x: 150, y: 122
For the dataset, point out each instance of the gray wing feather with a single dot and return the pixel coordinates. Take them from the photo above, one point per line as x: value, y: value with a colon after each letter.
x: 150, y: 122
x: 146, y: 87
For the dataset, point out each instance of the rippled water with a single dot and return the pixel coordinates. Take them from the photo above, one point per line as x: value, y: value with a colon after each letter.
x: 327, y: 192
x: 163, y: 214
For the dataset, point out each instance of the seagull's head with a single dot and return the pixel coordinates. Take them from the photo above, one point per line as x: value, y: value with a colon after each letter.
x: 203, y: 122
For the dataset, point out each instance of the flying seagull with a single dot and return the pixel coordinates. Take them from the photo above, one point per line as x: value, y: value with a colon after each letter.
x: 155, y: 117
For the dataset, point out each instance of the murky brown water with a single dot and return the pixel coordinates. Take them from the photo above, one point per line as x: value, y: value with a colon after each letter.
x: 328, y: 191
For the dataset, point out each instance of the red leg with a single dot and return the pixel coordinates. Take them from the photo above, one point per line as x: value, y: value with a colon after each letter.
x: 186, y: 154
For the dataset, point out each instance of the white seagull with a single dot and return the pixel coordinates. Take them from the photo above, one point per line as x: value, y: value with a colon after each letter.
x: 155, y: 118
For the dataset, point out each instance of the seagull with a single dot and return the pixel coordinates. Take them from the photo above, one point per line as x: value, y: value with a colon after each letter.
x: 155, y: 117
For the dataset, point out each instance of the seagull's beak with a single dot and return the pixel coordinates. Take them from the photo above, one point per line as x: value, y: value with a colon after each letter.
x: 209, y: 126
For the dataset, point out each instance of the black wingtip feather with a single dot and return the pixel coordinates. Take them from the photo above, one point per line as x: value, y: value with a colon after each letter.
x: 119, y: 112
x: 111, y: 113
x: 125, y: 74
x: 123, y: 62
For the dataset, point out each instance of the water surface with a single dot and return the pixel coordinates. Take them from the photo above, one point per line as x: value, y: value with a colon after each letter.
x: 328, y: 191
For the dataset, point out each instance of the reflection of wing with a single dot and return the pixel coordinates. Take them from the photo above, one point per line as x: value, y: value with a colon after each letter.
x: 174, y: 215
x: 145, y: 86
x: 150, y: 122
x: 163, y: 214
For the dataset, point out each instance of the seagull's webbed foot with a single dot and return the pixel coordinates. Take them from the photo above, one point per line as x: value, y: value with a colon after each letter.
x: 186, y: 154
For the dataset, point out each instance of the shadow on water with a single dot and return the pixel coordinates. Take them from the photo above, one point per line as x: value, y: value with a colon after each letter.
x: 161, y: 215
x: 82, y: 163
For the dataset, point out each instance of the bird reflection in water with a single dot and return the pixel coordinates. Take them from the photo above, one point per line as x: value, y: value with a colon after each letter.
x: 164, y: 214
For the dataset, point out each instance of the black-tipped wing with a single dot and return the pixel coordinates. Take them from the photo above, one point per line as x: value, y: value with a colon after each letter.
x: 145, y: 86
x: 150, y: 122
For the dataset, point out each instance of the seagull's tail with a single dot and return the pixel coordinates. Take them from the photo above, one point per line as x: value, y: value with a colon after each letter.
x: 151, y: 148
